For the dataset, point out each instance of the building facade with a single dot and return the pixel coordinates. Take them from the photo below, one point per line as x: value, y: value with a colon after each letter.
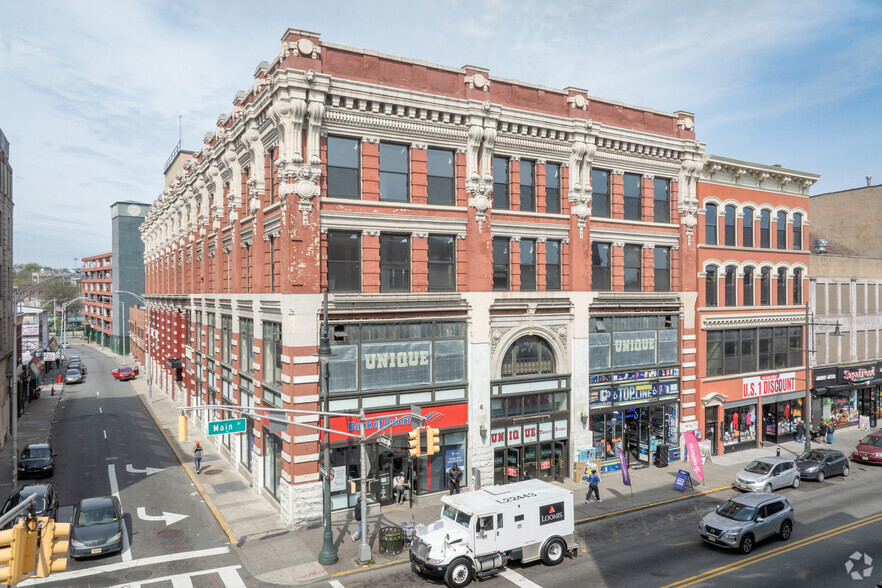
x: 96, y: 288
x: 9, y: 366
x: 520, y: 262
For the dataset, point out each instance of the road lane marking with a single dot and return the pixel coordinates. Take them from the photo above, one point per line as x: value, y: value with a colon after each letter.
x: 147, y: 470
x: 229, y: 577
x: 335, y: 584
x: 776, y: 552
x: 146, y: 561
x: 105, y: 434
x: 114, y: 491
x: 168, y: 518
x: 100, y: 411
x: 515, y: 578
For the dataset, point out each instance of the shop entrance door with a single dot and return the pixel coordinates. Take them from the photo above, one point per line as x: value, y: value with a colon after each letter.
x: 560, y: 461
x: 867, y: 406
x: 390, y: 464
x: 710, y: 427
x: 513, y: 464
x: 770, y: 423
x: 546, y: 456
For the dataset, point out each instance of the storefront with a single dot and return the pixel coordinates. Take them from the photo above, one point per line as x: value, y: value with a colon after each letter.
x: 854, y: 394
x: 739, y: 429
x: 768, y: 412
x: 634, y: 387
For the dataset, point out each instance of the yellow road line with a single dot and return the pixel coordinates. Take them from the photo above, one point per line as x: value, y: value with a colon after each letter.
x: 704, y: 576
x: 651, y: 505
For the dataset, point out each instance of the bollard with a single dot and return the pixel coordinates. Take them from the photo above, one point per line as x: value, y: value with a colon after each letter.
x: 53, y: 390
x: 778, y: 452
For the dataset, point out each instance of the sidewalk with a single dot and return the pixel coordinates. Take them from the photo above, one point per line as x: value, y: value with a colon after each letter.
x: 274, y: 554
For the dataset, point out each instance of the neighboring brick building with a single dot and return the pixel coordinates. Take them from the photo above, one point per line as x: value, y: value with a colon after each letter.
x: 96, y: 288
x: 8, y: 330
x: 519, y: 261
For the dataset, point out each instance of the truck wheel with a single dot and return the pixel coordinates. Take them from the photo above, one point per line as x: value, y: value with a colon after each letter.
x: 553, y: 553
x: 459, y: 573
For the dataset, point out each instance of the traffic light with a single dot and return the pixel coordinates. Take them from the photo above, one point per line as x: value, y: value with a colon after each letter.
x: 414, y: 442
x: 53, y: 542
x: 432, y: 441
x: 11, y: 556
x: 29, y: 546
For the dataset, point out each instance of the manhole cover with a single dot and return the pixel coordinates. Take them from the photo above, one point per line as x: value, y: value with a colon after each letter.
x: 169, y: 533
x: 138, y: 575
x: 212, y: 472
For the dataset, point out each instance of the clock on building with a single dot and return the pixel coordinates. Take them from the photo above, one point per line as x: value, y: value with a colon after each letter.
x: 134, y: 210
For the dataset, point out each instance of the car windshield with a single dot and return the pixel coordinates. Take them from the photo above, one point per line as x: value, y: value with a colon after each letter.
x: 758, y: 467
x: 30, y: 452
x: 98, y: 516
x: 812, y: 456
x: 872, y: 441
x: 450, y: 512
x: 736, y: 511
x: 124, y: 370
x: 73, y: 372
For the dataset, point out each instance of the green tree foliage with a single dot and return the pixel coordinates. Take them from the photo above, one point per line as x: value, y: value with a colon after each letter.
x: 24, y: 273
x: 63, y: 293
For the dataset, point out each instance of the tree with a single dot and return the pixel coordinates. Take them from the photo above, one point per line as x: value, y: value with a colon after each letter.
x: 24, y: 274
x: 62, y: 292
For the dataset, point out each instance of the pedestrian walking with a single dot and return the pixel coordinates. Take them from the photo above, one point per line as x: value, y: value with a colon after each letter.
x: 593, y: 487
x: 454, y: 476
x: 197, y: 456
x: 830, y: 430
x: 358, y: 522
x: 822, y: 432
x: 800, y: 431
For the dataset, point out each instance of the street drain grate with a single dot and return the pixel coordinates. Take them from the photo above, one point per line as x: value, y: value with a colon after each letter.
x: 138, y: 575
x: 212, y: 472
x: 169, y: 533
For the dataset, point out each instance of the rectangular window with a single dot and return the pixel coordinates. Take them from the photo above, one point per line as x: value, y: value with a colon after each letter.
x: 552, y: 188
x: 662, y: 267
x: 500, y: 184
x: 394, y: 263
x: 764, y: 349
x: 246, y: 346
x: 730, y: 282
x: 552, y: 265
x: 394, y: 172
x: 343, y: 165
x: 748, y: 350
x: 782, y: 347
x: 632, y: 268
x: 729, y: 228
x: 600, y: 201
x: 344, y: 261
x: 715, y: 353
x: 730, y: 352
x: 197, y: 318
x: 528, y: 265
x: 661, y: 198
x: 601, y: 264
x: 710, y: 286
x: 442, y: 263
x: 441, y: 176
x: 782, y: 286
x: 781, y: 227
x: 226, y: 339
x: 528, y: 187
x: 501, y: 262
x: 748, y: 287
x: 272, y: 355
x: 632, y: 196
x: 210, y: 334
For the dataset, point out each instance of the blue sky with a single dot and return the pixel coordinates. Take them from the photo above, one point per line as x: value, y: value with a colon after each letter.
x: 91, y: 91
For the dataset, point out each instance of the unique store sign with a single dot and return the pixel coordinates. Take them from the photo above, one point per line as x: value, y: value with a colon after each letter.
x: 770, y: 384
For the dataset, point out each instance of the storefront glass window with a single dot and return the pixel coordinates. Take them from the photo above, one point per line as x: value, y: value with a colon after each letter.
x: 497, y: 409
x: 433, y: 468
x: 739, y: 425
x: 842, y: 409
x: 514, y: 406
x: 545, y: 403
x: 560, y: 400
x: 531, y: 404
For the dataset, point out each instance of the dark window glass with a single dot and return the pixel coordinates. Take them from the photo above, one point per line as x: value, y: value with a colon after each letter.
x: 748, y: 287
x: 748, y: 350
x: 600, y: 205
x: 710, y: 224
x: 441, y: 178
x: 500, y: 183
x: 246, y: 346
x: 528, y: 265
x: 501, y: 262
x: 796, y: 349
x: 344, y: 261
x: 730, y: 352
x: 797, y: 231
x: 715, y: 353
x: 781, y: 227
x: 343, y: 166
x: 393, y: 172
x: 528, y: 187
x: 272, y: 355
x: 710, y: 286
x: 552, y: 188
x: 552, y: 265
x: 782, y: 347
x: 442, y: 263
x: 730, y: 283
x: 227, y: 340
x: 661, y: 198
x: 662, y: 265
x: 765, y: 287
x: 632, y: 196
x: 765, y: 349
x: 765, y: 229
x: 632, y: 268
x: 782, y: 287
x: 527, y: 356
x: 394, y: 263
x: 730, y: 226
x: 601, y: 277
x: 747, y: 231
x: 797, y: 286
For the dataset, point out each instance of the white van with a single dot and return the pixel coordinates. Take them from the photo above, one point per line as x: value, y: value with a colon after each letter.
x: 480, y: 531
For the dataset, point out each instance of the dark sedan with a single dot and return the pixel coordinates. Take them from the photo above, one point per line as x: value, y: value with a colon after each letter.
x: 36, y: 460
x: 97, y: 527
x: 819, y: 464
x: 45, y: 505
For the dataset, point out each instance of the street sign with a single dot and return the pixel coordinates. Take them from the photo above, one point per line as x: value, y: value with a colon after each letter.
x: 385, y: 440
x: 224, y: 427
x: 323, y: 472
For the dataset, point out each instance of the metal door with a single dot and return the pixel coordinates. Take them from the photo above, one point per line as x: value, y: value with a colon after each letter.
x: 513, y: 465
x: 485, y: 534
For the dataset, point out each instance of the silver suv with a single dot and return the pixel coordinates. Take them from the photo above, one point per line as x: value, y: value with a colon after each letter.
x: 744, y: 520
x: 767, y: 474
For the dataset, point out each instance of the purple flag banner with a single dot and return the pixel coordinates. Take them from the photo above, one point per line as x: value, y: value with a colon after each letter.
x: 626, y: 475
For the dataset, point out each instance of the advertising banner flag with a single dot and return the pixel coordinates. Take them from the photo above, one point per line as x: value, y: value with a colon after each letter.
x: 693, y: 451
x: 626, y: 475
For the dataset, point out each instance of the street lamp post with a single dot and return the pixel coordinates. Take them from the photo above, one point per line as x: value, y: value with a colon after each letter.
x: 328, y: 554
x: 147, y: 358
x: 809, y: 335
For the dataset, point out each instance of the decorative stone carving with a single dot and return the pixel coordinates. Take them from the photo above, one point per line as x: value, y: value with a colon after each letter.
x: 687, y: 202
x: 580, y: 191
x: 686, y: 124
x: 578, y: 101
x: 478, y: 81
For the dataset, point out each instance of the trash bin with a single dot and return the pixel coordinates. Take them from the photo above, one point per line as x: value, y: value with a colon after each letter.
x: 407, y: 528
x: 391, y: 540
x: 661, y: 455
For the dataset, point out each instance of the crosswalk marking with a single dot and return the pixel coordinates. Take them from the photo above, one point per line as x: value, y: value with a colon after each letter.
x: 229, y: 577
x: 516, y: 578
x: 335, y: 584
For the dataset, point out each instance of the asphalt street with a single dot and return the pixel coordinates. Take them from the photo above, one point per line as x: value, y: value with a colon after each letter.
x: 106, y: 443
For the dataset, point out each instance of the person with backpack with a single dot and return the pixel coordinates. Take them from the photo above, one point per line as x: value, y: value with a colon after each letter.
x: 593, y: 486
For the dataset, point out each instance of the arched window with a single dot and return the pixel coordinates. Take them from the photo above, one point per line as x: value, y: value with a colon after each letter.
x: 766, y: 286
x: 747, y: 233
x: 731, y: 281
x: 765, y: 229
x: 530, y: 355
x: 710, y: 286
x: 797, y: 286
x: 797, y: 231
x: 710, y: 224
x: 782, y: 230
x: 782, y: 286
x: 730, y: 226
x: 747, y: 298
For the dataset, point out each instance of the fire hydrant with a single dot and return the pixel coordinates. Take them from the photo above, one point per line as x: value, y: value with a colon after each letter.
x: 53, y: 389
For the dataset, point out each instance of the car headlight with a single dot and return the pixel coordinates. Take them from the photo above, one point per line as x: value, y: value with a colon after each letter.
x: 731, y: 534
x: 48, y: 467
x: 76, y: 543
x: 812, y: 469
x: 21, y: 468
x: 115, y: 537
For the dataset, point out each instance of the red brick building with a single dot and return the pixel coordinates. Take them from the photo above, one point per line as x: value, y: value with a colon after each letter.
x: 519, y: 261
x: 96, y: 287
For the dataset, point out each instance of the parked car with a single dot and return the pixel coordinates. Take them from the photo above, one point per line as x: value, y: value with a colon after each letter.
x: 869, y: 450
x: 96, y: 528
x: 65, y: 345
x: 124, y: 373
x: 36, y: 459
x: 73, y: 376
x: 743, y: 521
x: 45, y: 505
x: 818, y: 464
x: 77, y: 365
x: 767, y: 474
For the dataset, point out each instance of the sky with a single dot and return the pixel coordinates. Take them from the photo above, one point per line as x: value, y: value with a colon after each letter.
x: 92, y: 92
